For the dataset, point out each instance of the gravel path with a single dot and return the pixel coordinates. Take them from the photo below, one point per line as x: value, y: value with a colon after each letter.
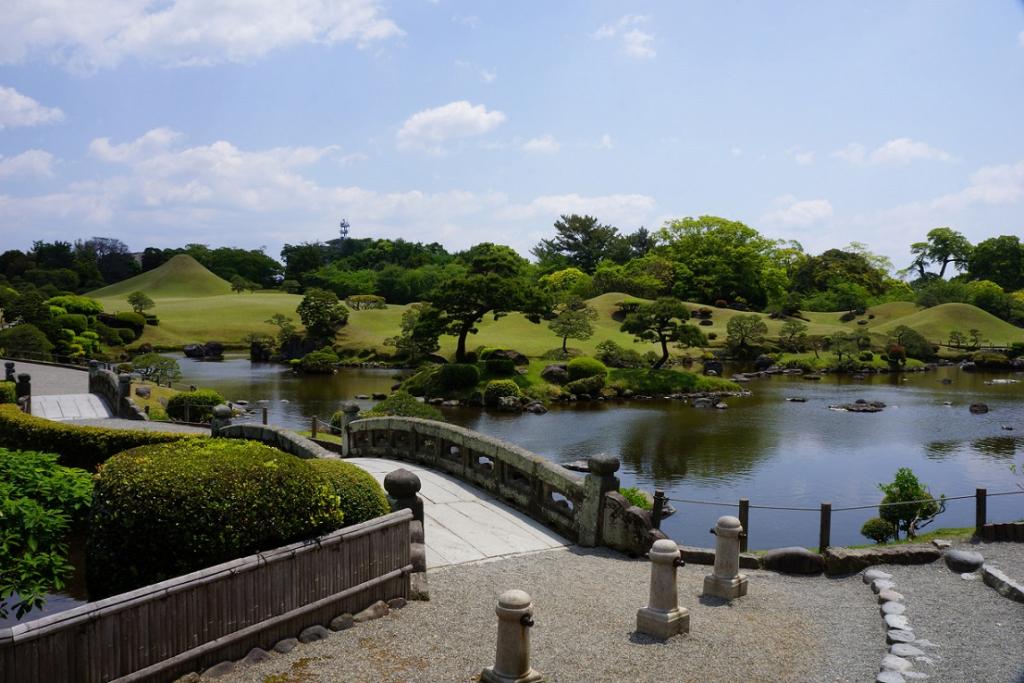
x: 142, y: 425
x: 49, y: 380
x: 785, y: 629
x: 977, y: 632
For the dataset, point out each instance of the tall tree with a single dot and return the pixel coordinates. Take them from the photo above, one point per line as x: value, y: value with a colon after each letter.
x: 943, y: 247
x: 322, y: 314
x: 573, y: 321
x: 999, y: 259
x: 662, y: 321
x: 490, y: 279
x: 580, y: 241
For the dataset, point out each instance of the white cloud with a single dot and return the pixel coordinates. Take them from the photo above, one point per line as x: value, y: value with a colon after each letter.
x: 635, y: 43
x: 794, y: 213
x: 545, y: 144
x: 86, y: 35
x: 486, y: 75
x: 431, y: 128
x: 178, y: 193
x: 21, y: 110
x: 736, y: 152
x: 897, y: 151
x: 34, y: 162
x: 801, y: 156
x: 605, y: 142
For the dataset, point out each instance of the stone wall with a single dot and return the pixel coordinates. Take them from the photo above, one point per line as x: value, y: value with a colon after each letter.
x: 115, y: 390
x: 278, y: 437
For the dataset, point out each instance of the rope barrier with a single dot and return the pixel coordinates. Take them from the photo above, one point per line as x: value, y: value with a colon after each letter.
x: 837, y: 509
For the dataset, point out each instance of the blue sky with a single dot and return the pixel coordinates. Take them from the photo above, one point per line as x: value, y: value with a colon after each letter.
x: 173, y: 121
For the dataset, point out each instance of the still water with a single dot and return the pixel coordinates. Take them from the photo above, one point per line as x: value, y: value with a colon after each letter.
x: 767, y: 449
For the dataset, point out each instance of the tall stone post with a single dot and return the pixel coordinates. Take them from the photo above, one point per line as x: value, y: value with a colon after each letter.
x: 600, y: 480
x: 124, y: 394
x: 9, y: 371
x: 663, y: 617
x: 23, y: 391
x: 402, y: 487
x: 221, y: 418
x: 349, y: 414
x: 512, y: 659
x: 726, y: 581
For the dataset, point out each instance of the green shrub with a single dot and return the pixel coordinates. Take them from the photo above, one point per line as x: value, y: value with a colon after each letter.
x: 39, y: 503
x: 584, y: 366
x: 133, y: 321
x: 165, y: 510
x: 878, y: 530
x: 26, y: 339
x: 458, y: 376
x: 866, y: 356
x: 84, y: 447
x: 588, y: 385
x: 361, y: 496
x: 125, y: 335
x: 361, y: 302
x: 194, y: 406
x: 615, y: 356
x: 402, y: 404
x: 500, y: 388
x: 500, y: 367
x: 76, y: 304
x: 7, y: 393
x: 322, y: 362
x: 73, y: 321
x: 636, y: 497
x: 152, y: 320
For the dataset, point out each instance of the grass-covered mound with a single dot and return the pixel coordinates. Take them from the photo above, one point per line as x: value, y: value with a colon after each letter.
x: 181, y: 276
x: 165, y: 510
x: 404, y: 404
x: 646, y: 381
x: 937, y: 322
x: 361, y: 496
x: 84, y: 447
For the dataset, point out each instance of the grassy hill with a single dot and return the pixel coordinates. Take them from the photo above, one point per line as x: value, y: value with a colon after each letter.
x: 193, y: 305
x: 182, y: 276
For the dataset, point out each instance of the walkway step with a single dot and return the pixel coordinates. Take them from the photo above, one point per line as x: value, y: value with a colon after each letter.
x: 463, y: 523
x: 70, y: 407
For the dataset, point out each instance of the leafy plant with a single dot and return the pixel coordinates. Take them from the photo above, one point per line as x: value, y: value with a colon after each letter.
x: 908, y: 505
x: 635, y: 497
x: 401, y: 404
x: 582, y: 367
x: 360, y: 495
x: 39, y: 502
x: 194, y: 406
x: 878, y: 530
x: 497, y: 389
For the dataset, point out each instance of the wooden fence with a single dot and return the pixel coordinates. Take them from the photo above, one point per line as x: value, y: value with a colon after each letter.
x: 162, y: 631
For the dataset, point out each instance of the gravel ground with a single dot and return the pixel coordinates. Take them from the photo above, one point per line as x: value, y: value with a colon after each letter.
x: 49, y: 380
x: 977, y: 632
x: 141, y: 425
x: 786, y: 629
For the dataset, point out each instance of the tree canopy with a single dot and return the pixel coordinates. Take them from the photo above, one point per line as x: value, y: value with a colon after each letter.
x: 662, y: 321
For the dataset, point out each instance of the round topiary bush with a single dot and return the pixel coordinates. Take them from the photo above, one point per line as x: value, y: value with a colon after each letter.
x: 500, y: 388
x: 878, y: 530
x: 194, y: 406
x: 588, y: 385
x: 500, y: 367
x: 458, y: 376
x: 361, y: 496
x: 164, y: 510
x: 402, y: 404
x: 584, y: 366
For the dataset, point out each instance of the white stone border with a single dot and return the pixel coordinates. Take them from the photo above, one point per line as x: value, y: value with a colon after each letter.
x: 898, y: 664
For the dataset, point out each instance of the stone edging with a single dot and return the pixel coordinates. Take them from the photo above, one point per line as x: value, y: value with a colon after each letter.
x: 898, y: 664
x: 310, y: 634
x: 1002, y: 584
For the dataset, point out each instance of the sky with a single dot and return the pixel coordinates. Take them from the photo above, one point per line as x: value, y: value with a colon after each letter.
x: 265, y: 122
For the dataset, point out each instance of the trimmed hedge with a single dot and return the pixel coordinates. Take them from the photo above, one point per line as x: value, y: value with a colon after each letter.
x: 165, y: 510
x: 8, y: 393
x: 584, y: 366
x: 194, y: 406
x: 458, y: 376
x: 362, y: 497
x: 400, y: 404
x: 84, y: 447
x: 588, y: 385
x: 500, y: 367
x: 500, y: 388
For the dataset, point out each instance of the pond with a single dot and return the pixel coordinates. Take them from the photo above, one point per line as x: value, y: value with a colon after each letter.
x: 775, y: 452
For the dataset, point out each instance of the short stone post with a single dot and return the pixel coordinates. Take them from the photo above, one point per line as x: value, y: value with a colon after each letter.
x: 512, y: 660
x: 726, y: 581
x: 264, y: 410
x: 23, y: 391
x: 9, y: 371
x: 349, y: 414
x: 124, y: 393
x: 402, y: 487
x: 221, y: 418
x: 663, y: 617
x: 600, y: 480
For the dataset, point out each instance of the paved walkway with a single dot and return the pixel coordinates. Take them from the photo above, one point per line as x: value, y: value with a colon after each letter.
x: 49, y: 380
x: 464, y: 524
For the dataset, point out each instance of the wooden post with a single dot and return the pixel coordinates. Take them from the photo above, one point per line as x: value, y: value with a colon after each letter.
x: 264, y: 409
x: 658, y: 509
x: 980, y: 511
x: 745, y: 523
x: 825, y: 531
x: 313, y: 429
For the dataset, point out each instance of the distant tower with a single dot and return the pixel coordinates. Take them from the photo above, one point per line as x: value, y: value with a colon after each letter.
x: 343, y: 229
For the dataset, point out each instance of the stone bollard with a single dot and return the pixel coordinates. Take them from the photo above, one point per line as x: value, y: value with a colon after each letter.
x: 349, y: 414
x: 402, y: 487
x: 600, y: 480
x: 9, y: 371
x: 663, y: 617
x: 221, y: 418
x: 23, y: 392
x: 726, y: 581
x: 512, y: 660
x: 124, y: 394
